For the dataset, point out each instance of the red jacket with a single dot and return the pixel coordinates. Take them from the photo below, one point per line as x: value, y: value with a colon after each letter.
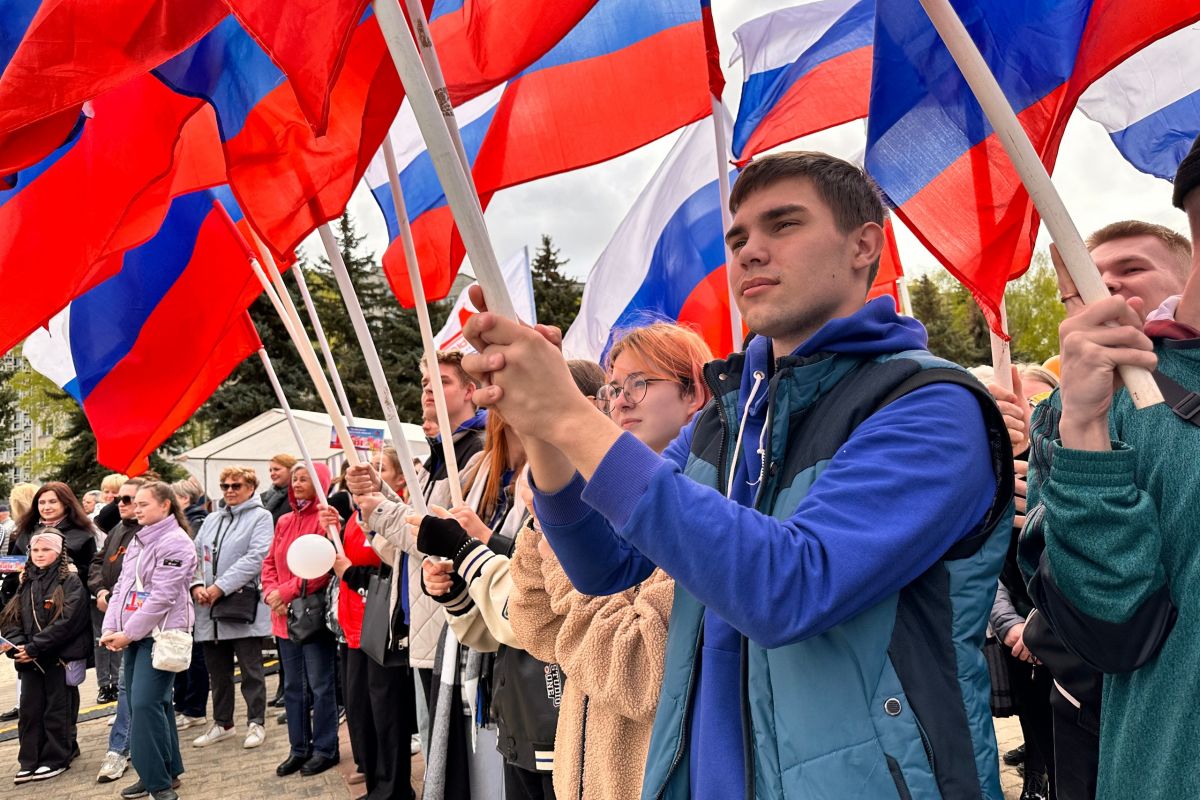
x: 275, y: 572
x: 350, y: 602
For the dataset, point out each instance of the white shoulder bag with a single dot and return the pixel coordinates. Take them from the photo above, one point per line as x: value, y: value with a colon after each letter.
x: 172, y: 649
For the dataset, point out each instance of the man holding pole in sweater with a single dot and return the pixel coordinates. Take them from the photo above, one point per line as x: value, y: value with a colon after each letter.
x: 834, y: 519
x: 1121, y: 508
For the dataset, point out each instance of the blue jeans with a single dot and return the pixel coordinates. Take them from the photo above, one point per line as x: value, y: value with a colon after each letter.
x: 312, y: 723
x: 118, y: 737
x: 154, y: 739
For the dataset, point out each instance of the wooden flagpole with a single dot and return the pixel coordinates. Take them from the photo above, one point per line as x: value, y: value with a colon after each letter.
x: 432, y: 369
x: 374, y: 366
x: 300, y: 443
x: 1002, y: 354
x: 460, y: 192
x: 330, y: 365
x: 300, y: 339
x: 1089, y: 284
x: 718, y: 120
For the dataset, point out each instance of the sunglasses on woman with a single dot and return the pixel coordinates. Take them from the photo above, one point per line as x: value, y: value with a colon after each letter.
x: 230, y: 487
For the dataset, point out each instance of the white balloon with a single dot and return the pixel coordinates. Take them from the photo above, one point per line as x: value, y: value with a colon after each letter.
x: 310, y: 556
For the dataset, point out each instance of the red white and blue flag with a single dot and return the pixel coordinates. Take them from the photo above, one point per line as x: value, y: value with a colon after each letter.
x: 667, y: 259
x: 568, y: 110
x: 519, y: 280
x: 807, y: 68
x: 932, y: 150
x: 1150, y: 103
x: 104, y: 190
x: 57, y: 54
x: 143, y: 350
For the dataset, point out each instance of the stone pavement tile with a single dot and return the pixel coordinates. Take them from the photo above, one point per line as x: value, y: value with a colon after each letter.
x: 224, y: 771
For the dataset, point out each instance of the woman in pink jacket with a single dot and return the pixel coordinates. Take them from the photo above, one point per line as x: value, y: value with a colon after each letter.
x: 152, y: 594
x: 309, y: 667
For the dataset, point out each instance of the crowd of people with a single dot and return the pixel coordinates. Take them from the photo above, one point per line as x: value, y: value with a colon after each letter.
x: 815, y: 568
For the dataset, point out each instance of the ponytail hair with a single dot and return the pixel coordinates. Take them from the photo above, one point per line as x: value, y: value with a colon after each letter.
x: 164, y: 494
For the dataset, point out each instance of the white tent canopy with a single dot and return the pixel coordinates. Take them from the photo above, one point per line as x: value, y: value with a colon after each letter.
x: 252, y: 444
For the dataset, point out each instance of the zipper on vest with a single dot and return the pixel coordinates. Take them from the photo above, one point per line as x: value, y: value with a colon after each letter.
x: 583, y: 746
x: 683, y: 727
x: 712, y: 387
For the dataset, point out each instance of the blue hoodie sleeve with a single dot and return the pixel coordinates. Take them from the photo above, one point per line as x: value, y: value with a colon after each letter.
x: 911, y: 481
x: 595, y: 558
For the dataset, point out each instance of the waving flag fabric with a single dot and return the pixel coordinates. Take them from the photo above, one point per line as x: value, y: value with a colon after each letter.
x: 1150, y: 104
x: 308, y: 40
x: 105, y: 190
x: 933, y: 152
x: 288, y: 180
x: 483, y: 43
x: 57, y: 54
x: 807, y: 68
x: 144, y: 349
x: 667, y: 258
x: 519, y: 280
x: 569, y: 110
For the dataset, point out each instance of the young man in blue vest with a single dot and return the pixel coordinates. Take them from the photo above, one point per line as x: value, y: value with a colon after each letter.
x: 834, y: 520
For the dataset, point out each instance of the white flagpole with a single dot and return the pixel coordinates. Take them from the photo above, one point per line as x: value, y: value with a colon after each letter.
x: 432, y: 369
x: 1002, y: 353
x: 367, y: 344
x: 718, y: 119
x: 437, y: 80
x: 291, y: 321
x: 308, y: 460
x: 460, y: 192
x: 1089, y: 284
x: 905, y: 297
x: 301, y: 282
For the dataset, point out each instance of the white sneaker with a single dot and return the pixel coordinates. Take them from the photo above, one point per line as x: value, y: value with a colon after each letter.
x: 255, y: 736
x: 112, y: 720
x: 183, y: 721
x: 113, y: 767
x: 415, y: 746
x: 215, y: 734
x: 46, y: 773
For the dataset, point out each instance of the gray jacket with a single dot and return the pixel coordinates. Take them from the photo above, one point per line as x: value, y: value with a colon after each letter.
x: 230, y: 548
x: 1004, y: 614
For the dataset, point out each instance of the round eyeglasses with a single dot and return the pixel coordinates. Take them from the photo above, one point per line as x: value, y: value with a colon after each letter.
x: 633, y: 387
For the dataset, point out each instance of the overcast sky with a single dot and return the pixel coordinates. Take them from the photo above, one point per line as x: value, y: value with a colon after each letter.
x: 582, y: 209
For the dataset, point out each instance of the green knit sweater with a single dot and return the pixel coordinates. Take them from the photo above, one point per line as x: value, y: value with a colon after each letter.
x: 1119, y: 525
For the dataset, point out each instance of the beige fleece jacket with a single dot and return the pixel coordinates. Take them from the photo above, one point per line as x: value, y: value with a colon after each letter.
x: 393, y: 536
x: 612, y: 650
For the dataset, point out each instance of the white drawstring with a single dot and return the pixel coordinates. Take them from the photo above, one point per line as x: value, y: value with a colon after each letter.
x: 737, y: 446
x: 762, y: 449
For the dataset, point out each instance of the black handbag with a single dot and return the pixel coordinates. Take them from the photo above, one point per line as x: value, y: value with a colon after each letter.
x: 240, y: 606
x: 306, y: 616
x: 376, y: 639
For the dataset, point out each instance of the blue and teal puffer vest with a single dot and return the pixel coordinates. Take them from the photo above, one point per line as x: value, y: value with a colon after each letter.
x: 892, y: 702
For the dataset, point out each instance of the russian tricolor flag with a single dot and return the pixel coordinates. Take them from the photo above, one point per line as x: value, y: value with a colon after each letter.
x: 932, y: 150
x: 1150, y: 104
x: 286, y: 179
x: 144, y: 349
x: 104, y: 190
x: 568, y: 110
x: 807, y: 68
x: 667, y: 259
x: 57, y: 54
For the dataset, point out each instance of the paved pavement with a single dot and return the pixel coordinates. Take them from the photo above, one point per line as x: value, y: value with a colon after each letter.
x: 225, y: 771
